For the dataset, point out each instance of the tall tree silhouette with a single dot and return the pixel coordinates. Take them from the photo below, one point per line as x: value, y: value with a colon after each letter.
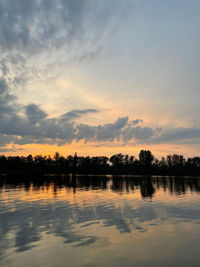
x: 146, y: 158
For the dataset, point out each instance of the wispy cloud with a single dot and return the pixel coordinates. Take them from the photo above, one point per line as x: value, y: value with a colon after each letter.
x: 76, y: 113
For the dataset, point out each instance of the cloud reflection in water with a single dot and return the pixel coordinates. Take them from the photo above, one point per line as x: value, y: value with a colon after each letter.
x: 78, y: 209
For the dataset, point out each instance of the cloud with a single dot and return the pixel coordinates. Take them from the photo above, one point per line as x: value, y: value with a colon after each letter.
x: 76, y: 113
x: 5, y: 139
x: 181, y: 134
x: 111, y: 131
x: 35, y: 26
x: 101, y: 133
x: 21, y: 125
x: 71, y: 31
x: 31, y: 125
x: 34, y: 113
x: 10, y: 149
x: 38, y: 36
x: 136, y: 121
x: 3, y: 86
x: 138, y: 133
x: 6, y: 99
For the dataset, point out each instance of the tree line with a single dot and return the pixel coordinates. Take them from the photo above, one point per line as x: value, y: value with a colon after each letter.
x: 120, y: 163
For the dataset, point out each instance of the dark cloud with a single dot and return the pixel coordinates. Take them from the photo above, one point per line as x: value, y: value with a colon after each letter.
x: 137, y: 133
x: 184, y: 135
x: 32, y: 26
x: 85, y: 132
x: 107, y: 132
x: 34, y: 127
x: 137, y: 121
x: 120, y: 130
x: 111, y: 131
x: 3, y: 86
x: 5, y: 139
x: 76, y: 113
x: 38, y: 24
x: 34, y: 113
x: 6, y: 99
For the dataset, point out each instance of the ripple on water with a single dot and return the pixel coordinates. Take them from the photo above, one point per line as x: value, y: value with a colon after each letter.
x: 101, y: 222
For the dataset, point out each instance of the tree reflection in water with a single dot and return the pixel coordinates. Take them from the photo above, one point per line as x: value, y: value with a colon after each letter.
x: 24, y: 221
x: 117, y: 183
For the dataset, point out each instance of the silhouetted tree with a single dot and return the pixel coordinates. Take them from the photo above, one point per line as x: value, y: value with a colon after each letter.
x: 116, y: 164
x: 146, y: 158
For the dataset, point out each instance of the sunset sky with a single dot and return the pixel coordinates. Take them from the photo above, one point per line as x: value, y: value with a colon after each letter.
x: 99, y: 77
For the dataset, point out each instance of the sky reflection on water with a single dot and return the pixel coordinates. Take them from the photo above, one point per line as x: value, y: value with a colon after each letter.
x: 100, y: 221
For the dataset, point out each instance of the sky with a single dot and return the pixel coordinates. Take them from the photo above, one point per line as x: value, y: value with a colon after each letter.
x: 99, y: 77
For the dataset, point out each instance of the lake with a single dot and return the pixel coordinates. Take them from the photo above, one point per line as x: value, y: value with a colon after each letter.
x: 100, y: 221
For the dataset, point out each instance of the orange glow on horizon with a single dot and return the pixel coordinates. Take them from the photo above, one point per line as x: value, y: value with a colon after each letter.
x: 103, y: 149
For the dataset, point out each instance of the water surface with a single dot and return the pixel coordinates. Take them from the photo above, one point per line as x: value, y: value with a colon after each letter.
x: 100, y: 221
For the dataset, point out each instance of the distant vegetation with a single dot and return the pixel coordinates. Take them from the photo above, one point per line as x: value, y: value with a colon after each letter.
x: 117, y: 164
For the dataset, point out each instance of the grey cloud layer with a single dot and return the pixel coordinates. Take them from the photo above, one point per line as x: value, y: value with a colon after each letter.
x: 35, y: 25
x: 30, y: 124
x: 42, y: 35
x: 39, y: 24
x: 34, y: 113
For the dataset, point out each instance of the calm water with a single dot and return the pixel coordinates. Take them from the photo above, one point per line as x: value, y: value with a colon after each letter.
x: 101, y: 221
